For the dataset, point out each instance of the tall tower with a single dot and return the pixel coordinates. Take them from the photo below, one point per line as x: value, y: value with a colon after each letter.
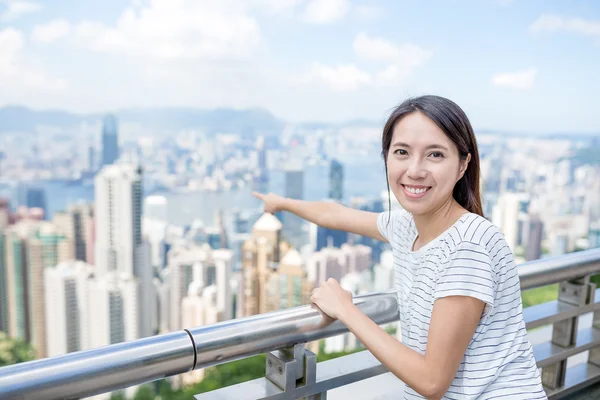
x: 336, y: 180
x: 75, y: 224
x: 260, y: 254
x: 294, y: 188
x: 123, y: 266
x: 67, y: 310
x: 110, y: 140
x: 118, y: 219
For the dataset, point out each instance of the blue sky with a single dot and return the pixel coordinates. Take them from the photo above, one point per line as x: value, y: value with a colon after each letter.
x: 517, y: 65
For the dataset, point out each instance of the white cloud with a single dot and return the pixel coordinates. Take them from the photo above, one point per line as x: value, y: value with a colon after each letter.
x: 276, y: 6
x: 15, y: 72
x: 14, y: 9
x: 183, y: 29
x: 340, y: 78
x: 51, y: 31
x: 402, y: 58
x: 325, y: 11
x: 367, y: 12
x: 376, y: 49
x: 522, y: 80
x: 554, y: 23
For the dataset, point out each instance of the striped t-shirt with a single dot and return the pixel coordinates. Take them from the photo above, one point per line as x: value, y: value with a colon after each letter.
x: 471, y: 258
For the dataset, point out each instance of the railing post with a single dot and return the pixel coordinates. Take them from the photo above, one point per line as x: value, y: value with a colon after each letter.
x: 594, y: 354
x: 291, y: 368
x: 577, y: 292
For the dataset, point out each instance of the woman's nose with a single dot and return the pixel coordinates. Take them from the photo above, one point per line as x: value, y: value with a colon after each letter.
x: 416, y: 170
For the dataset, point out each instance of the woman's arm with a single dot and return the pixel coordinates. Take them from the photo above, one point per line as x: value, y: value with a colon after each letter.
x: 326, y: 214
x: 453, y: 323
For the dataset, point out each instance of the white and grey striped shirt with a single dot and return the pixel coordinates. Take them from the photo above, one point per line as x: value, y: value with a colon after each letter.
x: 471, y: 258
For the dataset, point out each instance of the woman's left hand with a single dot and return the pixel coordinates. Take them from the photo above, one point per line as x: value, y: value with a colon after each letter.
x: 331, y: 298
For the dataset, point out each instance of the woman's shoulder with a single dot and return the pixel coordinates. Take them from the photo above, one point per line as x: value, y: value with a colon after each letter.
x: 477, y: 230
x: 395, y: 224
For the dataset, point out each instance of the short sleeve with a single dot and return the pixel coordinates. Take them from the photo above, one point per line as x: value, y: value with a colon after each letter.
x: 468, y: 272
x: 387, y: 222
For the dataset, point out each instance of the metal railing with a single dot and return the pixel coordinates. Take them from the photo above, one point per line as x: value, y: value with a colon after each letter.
x: 291, y: 370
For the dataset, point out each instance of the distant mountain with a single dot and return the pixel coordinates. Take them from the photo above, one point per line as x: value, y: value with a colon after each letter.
x: 222, y: 120
x: 249, y: 122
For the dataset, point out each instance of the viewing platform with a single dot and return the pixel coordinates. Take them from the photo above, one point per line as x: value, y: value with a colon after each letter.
x: 565, y: 335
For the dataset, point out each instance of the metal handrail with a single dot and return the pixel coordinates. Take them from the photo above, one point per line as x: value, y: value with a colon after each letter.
x: 548, y: 271
x: 90, y: 372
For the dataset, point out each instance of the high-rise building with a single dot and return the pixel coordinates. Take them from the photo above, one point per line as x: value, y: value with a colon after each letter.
x: 321, y: 238
x: 110, y: 140
x: 533, y: 250
x: 76, y: 225
x: 507, y: 214
x: 273, y: 274
x: 43, y: 253
x: 17, y: 279
x: 113, y: 297
x: 205, y: 267
x: 336, y: 263
x: 292, y: 224
x: 121, y: 255
x: 31, y: 247
x: 118, y: 209
x: 336, y: 181
x: 289, y: 285
x: 5, y: 217
x: 67, y: 307
x: 36, y: 198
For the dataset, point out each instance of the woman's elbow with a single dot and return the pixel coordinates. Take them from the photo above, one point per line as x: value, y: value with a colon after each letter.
x: 434, y: 388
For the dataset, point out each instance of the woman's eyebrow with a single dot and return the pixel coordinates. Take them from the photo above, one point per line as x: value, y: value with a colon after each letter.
x: 431, y: 146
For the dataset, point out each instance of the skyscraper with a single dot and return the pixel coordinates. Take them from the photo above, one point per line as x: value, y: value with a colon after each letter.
x: 122, y: 258
x: 43, y: 253
x: 292, y: 224
x: 507, y: 214
x: 75, y: 224
x: 118, y: 193
x: 67, y: 308
x: 273, y: 274
x: 203, y: 267
x: 36, y: 198
x: 533, y: 250
x: 336, y: 181
x: 31, y: 246
x: 110, y: 140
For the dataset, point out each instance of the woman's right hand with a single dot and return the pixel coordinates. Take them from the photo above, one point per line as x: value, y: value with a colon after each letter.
x: 273, y: 202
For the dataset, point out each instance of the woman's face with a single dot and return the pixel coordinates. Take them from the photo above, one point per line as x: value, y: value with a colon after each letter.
x: 423, y: 165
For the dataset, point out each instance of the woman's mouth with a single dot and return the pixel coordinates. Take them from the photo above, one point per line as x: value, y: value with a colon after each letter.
x: 415, y: 192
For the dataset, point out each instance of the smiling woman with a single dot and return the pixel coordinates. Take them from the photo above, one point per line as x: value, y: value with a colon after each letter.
x: 463, y: 334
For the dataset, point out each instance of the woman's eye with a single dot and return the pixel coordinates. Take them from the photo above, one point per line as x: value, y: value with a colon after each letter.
x: 437, y: 154
x: 400, y: 152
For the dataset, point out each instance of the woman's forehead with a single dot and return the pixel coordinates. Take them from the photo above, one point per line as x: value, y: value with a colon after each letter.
x: 418, y: 131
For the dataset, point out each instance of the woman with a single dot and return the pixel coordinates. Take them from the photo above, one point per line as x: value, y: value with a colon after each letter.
x: 463, y: 334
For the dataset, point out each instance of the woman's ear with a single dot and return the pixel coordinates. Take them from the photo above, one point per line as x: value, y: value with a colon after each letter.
x: 464, y: 165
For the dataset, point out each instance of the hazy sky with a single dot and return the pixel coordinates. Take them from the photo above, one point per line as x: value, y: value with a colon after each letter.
x: 531, y: 65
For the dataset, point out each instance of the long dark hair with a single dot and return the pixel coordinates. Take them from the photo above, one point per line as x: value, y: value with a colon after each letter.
x: 451, y: 119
